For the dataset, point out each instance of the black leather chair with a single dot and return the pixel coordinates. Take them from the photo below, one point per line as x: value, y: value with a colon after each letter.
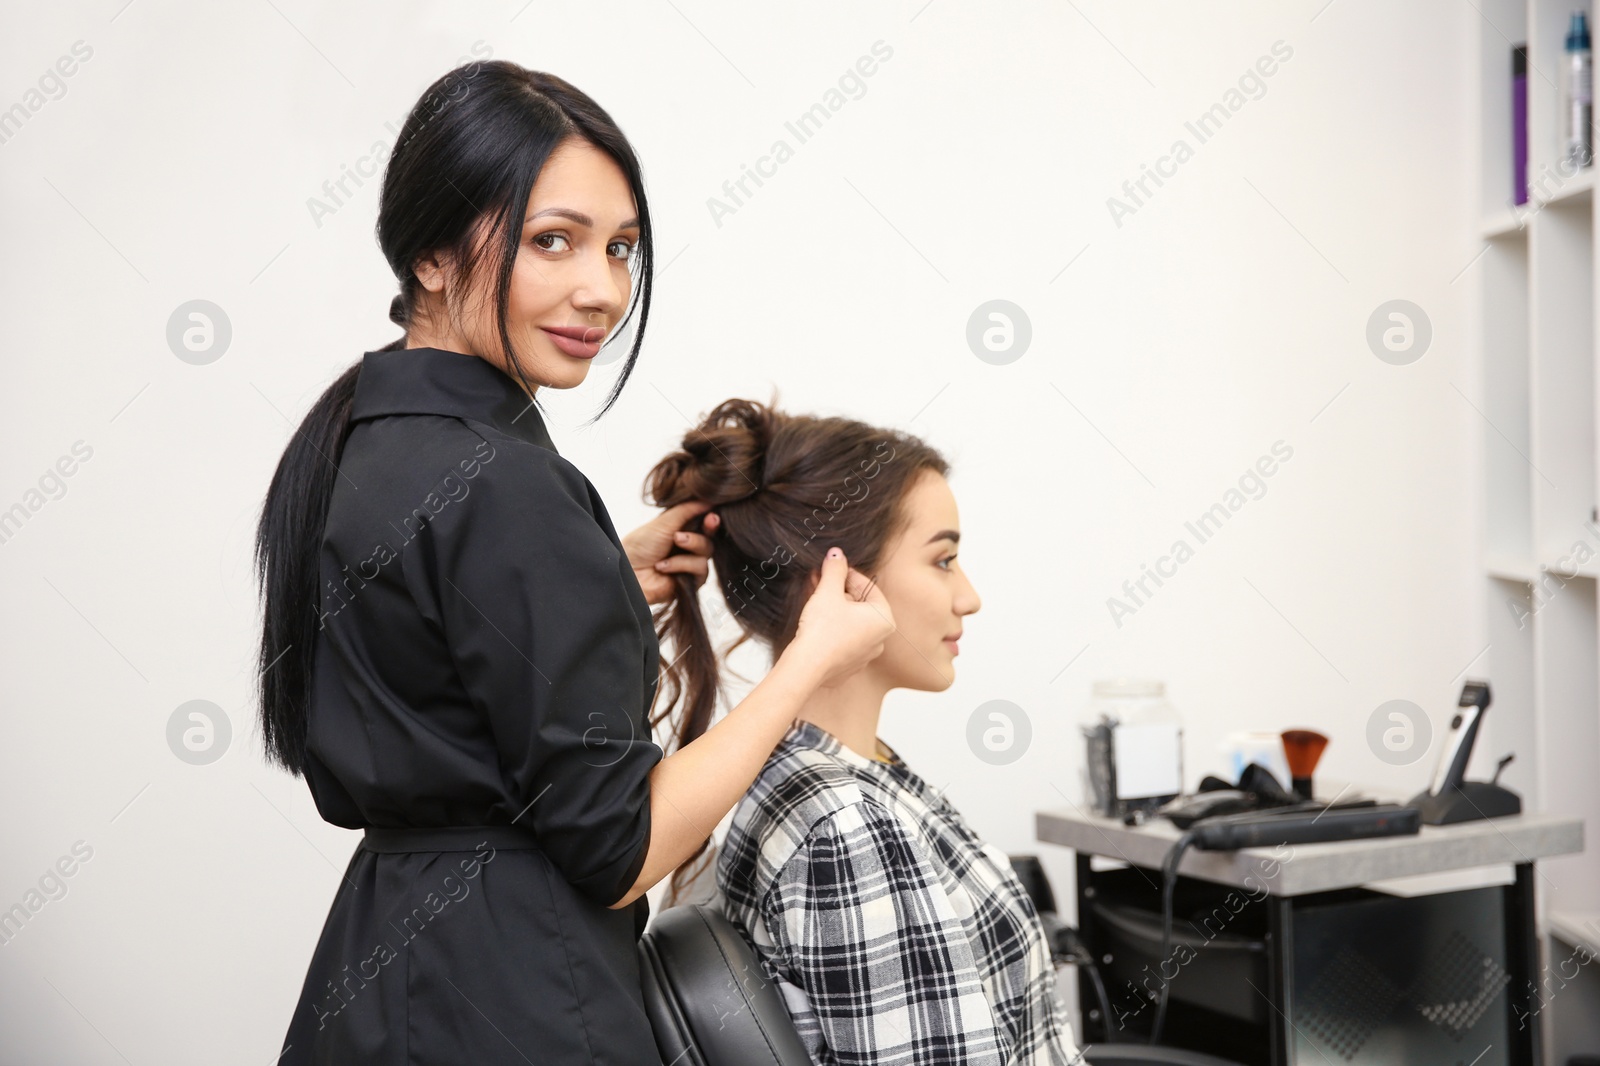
x: 710, y: 1004
x: 707, y: 999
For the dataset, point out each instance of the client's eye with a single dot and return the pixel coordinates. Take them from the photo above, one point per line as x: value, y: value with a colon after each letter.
x: 946, y: 559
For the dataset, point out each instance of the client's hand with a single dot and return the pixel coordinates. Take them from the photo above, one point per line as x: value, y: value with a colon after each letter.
x: 650, y: 547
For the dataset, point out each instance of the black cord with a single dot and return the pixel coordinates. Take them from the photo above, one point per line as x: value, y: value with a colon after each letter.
x: 1068, y: 946
x: 1169, y: 884
x: 1099, y: 994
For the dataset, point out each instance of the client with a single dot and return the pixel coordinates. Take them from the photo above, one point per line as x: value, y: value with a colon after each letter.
x: 894, y: 933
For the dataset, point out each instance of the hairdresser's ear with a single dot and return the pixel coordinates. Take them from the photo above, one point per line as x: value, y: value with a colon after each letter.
x: 429, y: 270
x: 433, y: 268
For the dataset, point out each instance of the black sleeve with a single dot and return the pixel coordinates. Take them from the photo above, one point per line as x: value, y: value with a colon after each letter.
x: 534, y: 600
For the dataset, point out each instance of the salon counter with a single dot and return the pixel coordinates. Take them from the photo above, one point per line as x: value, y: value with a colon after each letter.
x: 1322, y: 867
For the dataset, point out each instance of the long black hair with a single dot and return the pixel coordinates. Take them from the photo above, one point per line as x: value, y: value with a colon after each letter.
x: 470, y: 150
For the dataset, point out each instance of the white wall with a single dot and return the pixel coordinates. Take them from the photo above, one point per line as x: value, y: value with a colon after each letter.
x: 1227, y: 313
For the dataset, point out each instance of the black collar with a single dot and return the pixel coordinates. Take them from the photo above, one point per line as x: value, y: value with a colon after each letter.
x: 438, y: 382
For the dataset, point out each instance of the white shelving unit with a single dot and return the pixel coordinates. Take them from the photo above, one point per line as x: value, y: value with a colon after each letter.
x: 1535, y: 315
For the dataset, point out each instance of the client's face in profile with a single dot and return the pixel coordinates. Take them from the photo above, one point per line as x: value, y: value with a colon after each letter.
x: 926, y: 589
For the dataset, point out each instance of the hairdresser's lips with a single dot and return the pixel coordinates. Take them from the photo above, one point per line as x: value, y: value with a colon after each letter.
x: 570, y: 339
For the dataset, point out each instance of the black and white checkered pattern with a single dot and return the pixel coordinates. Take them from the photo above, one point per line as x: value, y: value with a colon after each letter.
x: 895, y: 934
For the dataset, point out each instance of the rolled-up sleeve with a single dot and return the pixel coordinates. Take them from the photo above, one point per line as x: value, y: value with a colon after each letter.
x: 862, y: 924
x: 535, y: 602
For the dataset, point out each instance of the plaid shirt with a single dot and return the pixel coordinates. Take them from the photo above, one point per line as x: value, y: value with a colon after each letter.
x: 895, y: 934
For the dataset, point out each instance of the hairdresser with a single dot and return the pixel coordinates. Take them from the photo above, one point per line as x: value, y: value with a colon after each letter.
x: 458, y: 652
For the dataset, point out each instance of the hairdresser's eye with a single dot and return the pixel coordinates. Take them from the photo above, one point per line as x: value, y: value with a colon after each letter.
x: 627, y: 250
x: 551, y: 235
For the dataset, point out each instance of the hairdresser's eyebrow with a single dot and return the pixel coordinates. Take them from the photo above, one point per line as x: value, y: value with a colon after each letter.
x: 577, y: 216
x: 945, y: 534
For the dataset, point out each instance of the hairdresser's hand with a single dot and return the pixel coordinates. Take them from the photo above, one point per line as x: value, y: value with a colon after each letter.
x: 844, y: 624
x: 650, y: 549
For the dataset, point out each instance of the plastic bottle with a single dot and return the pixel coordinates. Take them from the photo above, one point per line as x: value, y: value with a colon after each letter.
x: 1578, y: 96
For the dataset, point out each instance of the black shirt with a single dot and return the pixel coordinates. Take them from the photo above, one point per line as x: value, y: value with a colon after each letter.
x: 485, y: 656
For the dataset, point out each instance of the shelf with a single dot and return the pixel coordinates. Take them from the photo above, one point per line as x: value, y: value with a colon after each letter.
x: 1578, y: 187
x: 1511, y: 568
x: 1534, y: 320
x: 1509, y: 227
x: 1578, y: 928
x: 1512, y: 221
x: 1508, y: 568
x: 1587, y: 570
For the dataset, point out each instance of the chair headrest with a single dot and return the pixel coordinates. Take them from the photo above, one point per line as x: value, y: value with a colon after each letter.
x: 707, y: 997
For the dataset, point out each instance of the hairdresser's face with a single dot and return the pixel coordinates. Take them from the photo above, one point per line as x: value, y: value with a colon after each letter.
x: 926, y: 589
x: 571, y: 273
